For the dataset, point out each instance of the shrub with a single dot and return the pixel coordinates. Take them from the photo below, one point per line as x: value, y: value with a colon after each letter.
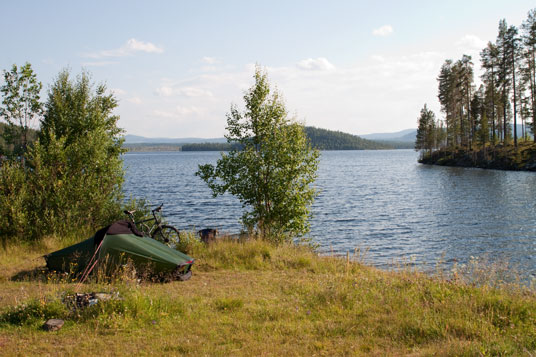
x: 14, y: 197
x: 73, y: 175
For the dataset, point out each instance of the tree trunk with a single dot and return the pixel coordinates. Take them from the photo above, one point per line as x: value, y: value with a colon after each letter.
x: 515, y: 96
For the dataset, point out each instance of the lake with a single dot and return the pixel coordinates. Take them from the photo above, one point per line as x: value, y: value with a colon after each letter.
x: 382, y: 201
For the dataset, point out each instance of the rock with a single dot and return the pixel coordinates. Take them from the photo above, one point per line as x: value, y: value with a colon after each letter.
x: 102, y: 296
x: 208, y: 235
x: 531, y: 166
x: 53, y: 324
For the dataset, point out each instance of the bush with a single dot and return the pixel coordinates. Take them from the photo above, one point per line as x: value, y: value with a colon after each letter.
x: 73, y: 175
x: 14, y: 197
x: 273, y: 172
x: 34, y: 311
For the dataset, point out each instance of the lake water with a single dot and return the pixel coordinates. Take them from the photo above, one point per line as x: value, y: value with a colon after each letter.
x: 383, y: 201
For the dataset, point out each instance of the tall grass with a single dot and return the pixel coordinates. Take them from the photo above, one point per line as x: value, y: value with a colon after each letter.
x: 254, y: 298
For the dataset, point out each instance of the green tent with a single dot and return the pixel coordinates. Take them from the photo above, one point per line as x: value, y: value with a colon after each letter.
x: 118, y: 244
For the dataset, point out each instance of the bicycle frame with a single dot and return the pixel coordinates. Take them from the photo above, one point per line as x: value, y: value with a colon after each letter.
x: 161, y: 232
x: 144, y: 227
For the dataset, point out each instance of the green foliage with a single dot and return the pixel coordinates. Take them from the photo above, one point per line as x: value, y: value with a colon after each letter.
x: 189, y: 242
x: 273, y: 172
x: 75, y: 108
x: 210, y: 147
x: 33, y: 312
x: 8, y: 149
x: 140, y: 206
x: 73, y: 173
x: 14, y: 198
x: 20, y: 106
x: 426, y: 131
x: 76, y: 165
x: 323, y: 139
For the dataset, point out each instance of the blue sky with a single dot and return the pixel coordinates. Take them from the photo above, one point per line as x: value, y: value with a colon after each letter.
x: 176, y: 66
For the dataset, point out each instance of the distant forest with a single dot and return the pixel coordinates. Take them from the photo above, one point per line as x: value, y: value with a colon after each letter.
x: 6, y: 149
x: 480, y: 119
x: 321, y: 139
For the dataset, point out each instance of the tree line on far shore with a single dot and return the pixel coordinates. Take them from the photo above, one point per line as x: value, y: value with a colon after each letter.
x: 477, y: 118
x: 320, y: 139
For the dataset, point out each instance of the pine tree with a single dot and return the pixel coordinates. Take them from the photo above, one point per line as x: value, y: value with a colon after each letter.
x: 446, y: 87
x: 426, y: 131
x: 504, y: 78
x: 489, y: 59
x: 529, y: 65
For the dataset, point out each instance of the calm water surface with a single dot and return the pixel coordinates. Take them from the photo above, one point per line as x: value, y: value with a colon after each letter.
x: 383, y: 201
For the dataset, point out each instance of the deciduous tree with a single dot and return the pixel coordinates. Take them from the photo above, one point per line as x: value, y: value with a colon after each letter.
x: 273, y: 172
x: 21, y: 106
x: 76, y: 162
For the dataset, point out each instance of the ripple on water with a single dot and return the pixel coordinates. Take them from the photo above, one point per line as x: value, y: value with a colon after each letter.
x: 382, y: 200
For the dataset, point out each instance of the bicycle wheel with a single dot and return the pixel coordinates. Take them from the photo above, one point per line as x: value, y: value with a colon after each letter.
x: 168, y: 235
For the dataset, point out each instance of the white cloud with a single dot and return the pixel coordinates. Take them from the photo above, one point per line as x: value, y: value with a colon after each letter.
x: 378, y: 58
x: 382, y: 93
x: 97, y: 63
x: 188, y: 110
x: 179, y: 112
x: 471, y: 43
x: 210, y: 60
x: 118, y: 91
x: 378, y: 94
x: 164, y: 114
x: 129, y: 48
x: 135, y: 100
x: 169, y: 91
x: 135, y: 45
x: 194, y: 92
x: 165, y: 91
x: 385, y: 30
x: 318, y: 64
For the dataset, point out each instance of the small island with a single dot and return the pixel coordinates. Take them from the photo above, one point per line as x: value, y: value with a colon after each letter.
x: 491, y: 126
x: 522, y: 158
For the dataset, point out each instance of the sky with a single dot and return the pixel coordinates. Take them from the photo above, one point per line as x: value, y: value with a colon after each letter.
x: 176, y: 67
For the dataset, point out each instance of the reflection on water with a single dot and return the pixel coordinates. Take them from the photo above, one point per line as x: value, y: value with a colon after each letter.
x: 380, y: 200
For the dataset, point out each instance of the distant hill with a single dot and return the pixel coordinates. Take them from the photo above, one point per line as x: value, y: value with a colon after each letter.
x: 409, y: 136
x: 321, y: 139
x: 402, y: 136
x: 324, y: 139
x: 135, y: 139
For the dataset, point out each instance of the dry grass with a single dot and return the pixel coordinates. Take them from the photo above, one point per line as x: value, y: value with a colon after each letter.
x: 252, y: 298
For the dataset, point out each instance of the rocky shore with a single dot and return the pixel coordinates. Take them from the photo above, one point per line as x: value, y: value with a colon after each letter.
x: 522, y: 158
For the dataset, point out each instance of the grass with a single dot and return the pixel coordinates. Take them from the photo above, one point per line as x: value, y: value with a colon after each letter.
x: 252, y: 298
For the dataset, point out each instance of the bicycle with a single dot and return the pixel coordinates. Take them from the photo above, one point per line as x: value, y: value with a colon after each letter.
x: 163, y: 233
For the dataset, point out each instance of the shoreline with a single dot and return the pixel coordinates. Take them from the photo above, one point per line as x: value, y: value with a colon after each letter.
x: 522, y: 158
